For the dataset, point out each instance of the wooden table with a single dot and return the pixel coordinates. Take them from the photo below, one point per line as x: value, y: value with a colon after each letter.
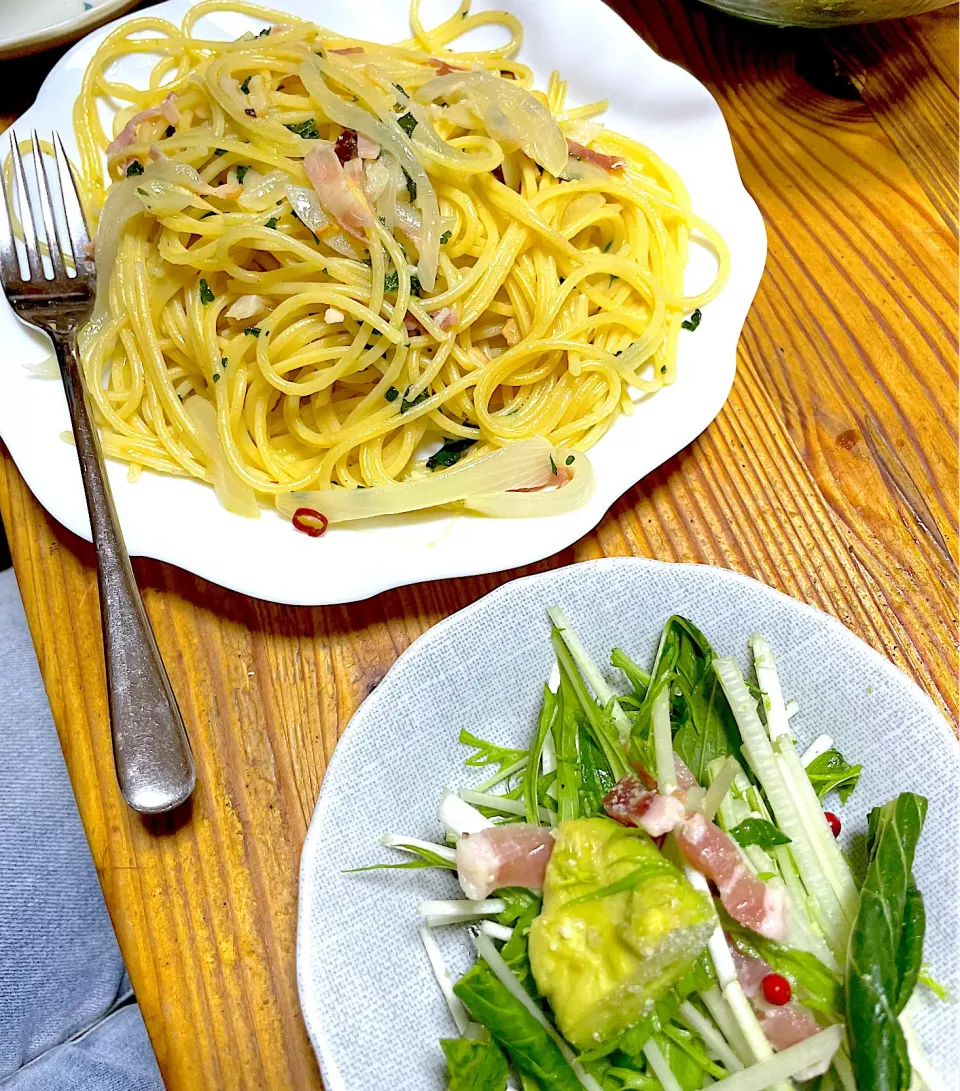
x: 831, y: 474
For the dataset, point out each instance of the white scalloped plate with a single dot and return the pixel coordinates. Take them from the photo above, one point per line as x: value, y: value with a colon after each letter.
x: 28, y: 27
x: 371, y: 1005
x: 180, y: 521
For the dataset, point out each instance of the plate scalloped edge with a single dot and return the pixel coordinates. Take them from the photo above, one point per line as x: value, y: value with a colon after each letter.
x: 807, y: 618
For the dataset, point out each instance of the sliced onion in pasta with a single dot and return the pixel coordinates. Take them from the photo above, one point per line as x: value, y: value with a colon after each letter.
x: 306, y: 205
x: 342, y: 243
x: 162, y: 198
x: 387, y: 201
x: 121, y: 205
x: 573, y: 494
x: 231, y: 491
x: 376, y: 177
x: 390, y: 137
x: 579, y: 170
x: 262, y: 191
x: 523, y: 465
x: 510, y: 113
x: 583, y: 132
x: 408, y: 219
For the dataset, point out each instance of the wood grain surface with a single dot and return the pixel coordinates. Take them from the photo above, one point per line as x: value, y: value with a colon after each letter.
x: 831, y: 474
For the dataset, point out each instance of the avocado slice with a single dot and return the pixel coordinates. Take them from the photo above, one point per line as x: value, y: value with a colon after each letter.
x: 618, y: 927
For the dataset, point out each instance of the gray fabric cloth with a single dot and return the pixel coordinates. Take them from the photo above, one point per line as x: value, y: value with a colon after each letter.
x: 114, y: 1055
x: 68, y: 1019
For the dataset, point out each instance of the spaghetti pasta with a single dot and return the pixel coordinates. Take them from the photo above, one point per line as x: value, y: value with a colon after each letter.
x: 343, y: 252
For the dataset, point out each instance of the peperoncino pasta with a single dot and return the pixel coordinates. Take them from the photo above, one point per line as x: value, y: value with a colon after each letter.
x: 318, y: 257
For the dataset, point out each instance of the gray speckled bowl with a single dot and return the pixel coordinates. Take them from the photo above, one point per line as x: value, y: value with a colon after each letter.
x: 371, y: 1005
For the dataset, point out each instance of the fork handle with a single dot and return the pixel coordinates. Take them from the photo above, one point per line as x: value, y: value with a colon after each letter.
x: 150, y: 746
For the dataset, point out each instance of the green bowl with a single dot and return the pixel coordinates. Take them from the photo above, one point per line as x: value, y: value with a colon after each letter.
x: 824, y: 13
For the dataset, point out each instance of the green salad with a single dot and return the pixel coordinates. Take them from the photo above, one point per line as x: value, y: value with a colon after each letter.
x: 657, y: 898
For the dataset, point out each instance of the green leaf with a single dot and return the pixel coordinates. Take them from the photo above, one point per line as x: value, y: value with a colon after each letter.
x: 449, y: 454
x: 391, y: 283
x: 699, y: 978
x: 241, y: 173
x: 305, y: 129
x: 206, y: 294
x: 425, y: 859
x: 636, y: 675
x: 515, y: 952
x: 599, y: 720
x: 532, y: 1051
x: 136, y: 167
x: 686, y: 1057
x: 409, y: 403
x: 531, y: 774
x: 566, y: 740
x: 883, y: 944
x: 910, y: 951
x: 758, y: 831
x: 408, y: 123
x: 411, y: 186
x: 474, y: 1064
x: 253, y: 331
x: 488, y: 753
x: 704, y: 725
x: 206, y: 214
x: 940, y: 991
x: 831, y: 772
x: 272, y: 222
x: 245, y: 86
x: 445, y: 237
x: 693, y: 321
x: 595, y: 776
x: 518, y: 902
x: 814, y: 984
x: 391, y: 394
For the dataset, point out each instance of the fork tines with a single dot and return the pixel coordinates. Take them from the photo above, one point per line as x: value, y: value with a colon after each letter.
x: 20, y: 206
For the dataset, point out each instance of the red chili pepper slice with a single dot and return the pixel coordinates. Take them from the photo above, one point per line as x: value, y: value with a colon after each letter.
x: 833, y: 822
x: 346, y: 145
x: 314, y: 531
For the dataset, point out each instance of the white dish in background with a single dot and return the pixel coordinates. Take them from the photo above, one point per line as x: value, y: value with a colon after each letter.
x: 371, y: 1005
x: 180, y: 521
x: 27, y: 26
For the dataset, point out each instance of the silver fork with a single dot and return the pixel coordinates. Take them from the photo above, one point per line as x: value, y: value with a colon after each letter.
x: 151, y: 750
